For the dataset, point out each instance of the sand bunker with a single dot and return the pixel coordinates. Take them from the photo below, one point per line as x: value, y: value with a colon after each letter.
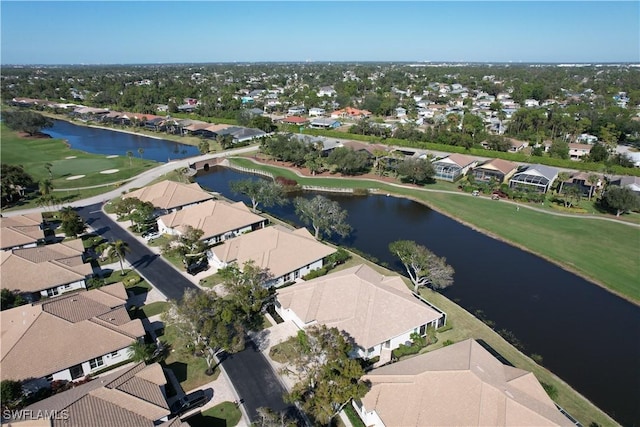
x: 71, y: 178
x: 71, y: 157
x: 108, y: 171
x: 113, y: 156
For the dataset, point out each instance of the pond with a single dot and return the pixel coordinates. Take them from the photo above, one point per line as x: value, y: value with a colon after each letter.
x: 109, y: 142
x: 586, y: 335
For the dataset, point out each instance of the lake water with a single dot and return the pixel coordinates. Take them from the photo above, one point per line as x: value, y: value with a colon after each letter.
x: 586, y: 335
x: 108, y: 142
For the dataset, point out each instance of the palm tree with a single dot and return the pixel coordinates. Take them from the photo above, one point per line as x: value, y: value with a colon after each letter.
x: 120, y: 247
x: 46, y: 187
x: 140, y: 351
x: 562, y: 177
x: 141, y: 151
x: 130, y: 155
x: 593, y: 180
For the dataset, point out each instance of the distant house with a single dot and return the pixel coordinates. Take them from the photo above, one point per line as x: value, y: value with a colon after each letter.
x: 581, y: 181
x: 326, y: 91
x: 528, y: 103
x: 247, y: 134
x: 579, y: 151
x: 135, y: 396
x: 630, y: 182
x: 351, y: 113
x: 68, y: 337
x: 324, y: 123
x: 453, y: 166
x: 516, y: 145
x: 326, y: 145
x: 287, y: 254
x: 45, y: 271
x: 317, y: 112
x: 296, y: 111
x: 219, y: 220
x: 535, y: 177
x: 168, y: 196
x: 587, y: 138
x: 496, y: 169
x: 458, y: 385
x: 401, y: 112
x: 378, y: 312
x: 21, y: 231
x: 295, y: 120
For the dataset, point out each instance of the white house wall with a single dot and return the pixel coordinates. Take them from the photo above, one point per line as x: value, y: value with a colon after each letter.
x: 80, y: 284
x: 108, y: 359
x: 370, y: 418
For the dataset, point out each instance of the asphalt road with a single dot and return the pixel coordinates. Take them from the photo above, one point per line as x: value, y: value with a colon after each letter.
x: 150, y: 265
x: 256, y: 383
x: 249, y: 371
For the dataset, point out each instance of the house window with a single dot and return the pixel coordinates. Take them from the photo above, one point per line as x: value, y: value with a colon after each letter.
x: 115, y: 354
x: 49, y: 378
x: 67, y: 286
x: 52, y: 292
x: 95, y: 363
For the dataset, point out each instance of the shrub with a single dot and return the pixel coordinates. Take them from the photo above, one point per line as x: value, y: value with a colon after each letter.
x: 360, y: 191
x: 446, y: 343
x: 445, y: 328
x: 551, y: 390
x: 315, y: 273
x: 405, y: 350
x: 337, y: 258
x: 10, y: 390
x: 286, y: 182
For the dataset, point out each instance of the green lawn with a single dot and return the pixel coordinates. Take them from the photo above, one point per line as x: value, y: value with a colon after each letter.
x: 575, y: 243
x: 34, y: 153
x: 152, y: 309
x: 225, y: 414
x: 189, y: 370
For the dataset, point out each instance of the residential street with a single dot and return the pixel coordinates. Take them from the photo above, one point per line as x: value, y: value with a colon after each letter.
x: 255, y: 382
x: 249, y: 371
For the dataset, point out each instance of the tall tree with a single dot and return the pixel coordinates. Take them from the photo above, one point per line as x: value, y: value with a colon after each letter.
x: 207, y: 323
x: 140, y: 351
x: 416, y: 170
x: 260, y: 192
x: 140, y: 151
x: 620, y: 199
x: 29, y: 122
x: 423, y: 266
x: 248, y: 291
x: 130, y: 156
x: 327, y: 378
x: 120, y: 248
x: 45, y: 186
x: 48, y: 167
x: 562, y: 178
x: 73, y: 225
x: 14, y: 182
x: 324, y: 215
x: 592, y: 179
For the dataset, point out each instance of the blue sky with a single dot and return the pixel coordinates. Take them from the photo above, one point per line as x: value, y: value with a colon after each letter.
x: 55, y: 32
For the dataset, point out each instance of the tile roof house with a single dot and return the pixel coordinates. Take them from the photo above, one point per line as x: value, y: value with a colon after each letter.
x: 68, y: 337
x: 21, y: 231
x: 295, y: 120
x: 458, y: 385
x: 537, y: 177
x: 170, y: 195
x: 497, y: 169
x: 630, y: 182
x: 350, y: 112
x: 378, y: 312
x: 135, y: 396
x: 578, y: 151
x: 45, y: 270
x: 288, y: 254
x: 219, y: 220
x: 324, y: 123
x: 453, y: 166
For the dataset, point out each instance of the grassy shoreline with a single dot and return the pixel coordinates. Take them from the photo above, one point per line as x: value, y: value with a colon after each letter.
x: 552, y: 237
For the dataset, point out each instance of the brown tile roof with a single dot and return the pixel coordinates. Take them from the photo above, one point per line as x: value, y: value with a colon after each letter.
x: 500, y: 165
x: 276, y: 248
x: 461, y: 160
x: 41, y: 339
x: 213, y: 217
x: 370, y: 307
x: 170, y: 194
x: 295, y: 120
x: 20, y: 230
x: 123, y: 398
x: 461, y: 384
x: 43, y: 267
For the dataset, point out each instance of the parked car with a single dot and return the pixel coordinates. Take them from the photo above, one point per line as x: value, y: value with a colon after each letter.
x: 149, y: 236
x: 196, y: 399
x: 197, y: 267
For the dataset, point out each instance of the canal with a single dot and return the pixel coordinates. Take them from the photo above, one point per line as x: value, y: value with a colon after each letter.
x: 586, y: 335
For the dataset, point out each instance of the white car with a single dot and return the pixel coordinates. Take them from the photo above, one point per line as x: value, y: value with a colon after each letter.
x: 150, y: 236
